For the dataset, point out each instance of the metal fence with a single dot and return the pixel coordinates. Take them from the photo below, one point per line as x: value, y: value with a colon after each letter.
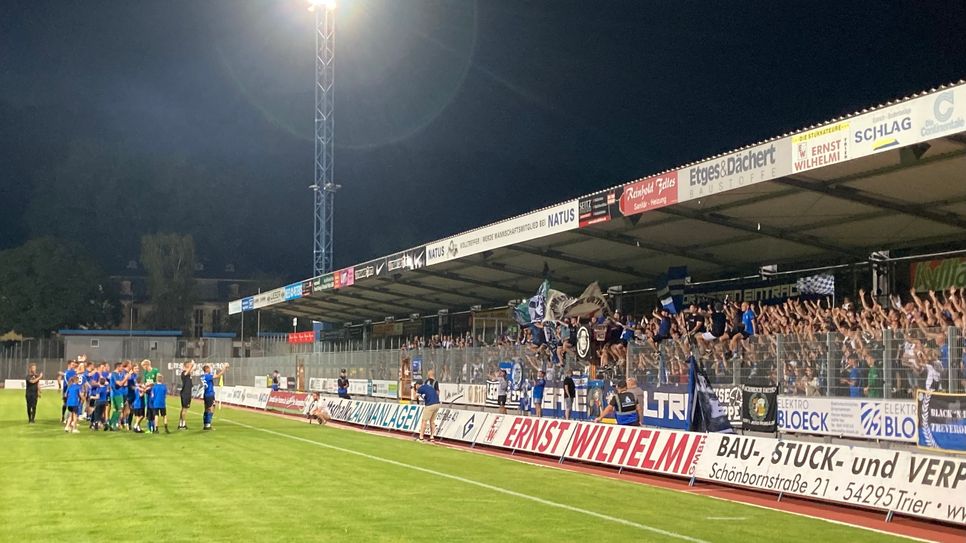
x: 880, y: 364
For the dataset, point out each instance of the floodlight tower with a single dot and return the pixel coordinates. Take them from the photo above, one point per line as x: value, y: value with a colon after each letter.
x: 324, y: 186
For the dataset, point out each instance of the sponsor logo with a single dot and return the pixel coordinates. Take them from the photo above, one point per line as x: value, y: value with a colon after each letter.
x: 869, y: 414
x: 452, y: 249
x: 943, y: 113
x: 275, y: 296
x: 650, y: 193
x: 885, y: 132
x: 880, y: 419
x: 323, y: 282
x: 494, y: 426
x: 364, y: 272
x: 293, y: 291
x: 561, y: 218
x: 248, y: 303
x: 821, y: 147
x: 738, y: 163
x: 345, y: 278
x: 435, y: 253
x: 409, y: 260
x: 595, y: 209
x: 468, y: 426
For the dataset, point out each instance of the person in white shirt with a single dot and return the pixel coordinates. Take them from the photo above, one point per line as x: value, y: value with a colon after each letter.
x: 316, y: 410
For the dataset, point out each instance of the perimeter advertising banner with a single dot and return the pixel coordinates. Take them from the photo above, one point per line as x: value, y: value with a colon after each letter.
x: 666, y: 406
x: 371, y: 269
x: 410, y: 259
x: 21, y: 384
x: 538, y: 224
x: 345, y: 277
x: 293, y: 291
x: 650, y: 193
x: 288, y: 402
x: 460, y: 394
x: 600, y: 207
x: 735, y: 170
x: 901, y: 481
x: 942, y: 420
x: 891, y: 420
x: 323, y: 282
x: 890, y: 480
x: 822, y: 146
x: 459, y: 425
x: 938, y: 274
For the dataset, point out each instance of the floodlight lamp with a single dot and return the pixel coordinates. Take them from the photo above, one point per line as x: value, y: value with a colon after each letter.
x: 329, y: 5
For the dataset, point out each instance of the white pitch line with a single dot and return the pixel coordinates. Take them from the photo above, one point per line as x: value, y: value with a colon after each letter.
x: 839, y: 522
x: 487, y: 486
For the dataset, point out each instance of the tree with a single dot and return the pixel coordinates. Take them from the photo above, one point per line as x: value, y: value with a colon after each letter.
x: 47, y: 284
x: 169, y: 260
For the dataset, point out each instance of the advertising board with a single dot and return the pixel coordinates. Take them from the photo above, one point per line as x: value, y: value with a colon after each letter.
x: 892, y: 420
x: 554, y: 219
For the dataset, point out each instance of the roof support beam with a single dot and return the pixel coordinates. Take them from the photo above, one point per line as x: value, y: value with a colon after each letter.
x: 353, y: 291
x: 632, y: 241
x: 832, y: 182
x: 317, y: 304
x: 785, y: 234
x: 850, y: 194
x: 557, y: 255
x: 430, y: 288
x: 516, y: 291
x: 372, y: 301
x: 506, y: 268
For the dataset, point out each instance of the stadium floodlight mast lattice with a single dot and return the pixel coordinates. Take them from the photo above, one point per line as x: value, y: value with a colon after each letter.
x: 324, y: 187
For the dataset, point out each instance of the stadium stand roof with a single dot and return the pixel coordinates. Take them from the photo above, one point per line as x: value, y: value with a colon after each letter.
x: 889, y: 177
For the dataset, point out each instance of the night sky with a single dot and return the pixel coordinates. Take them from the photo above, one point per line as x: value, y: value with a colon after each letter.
x: 125, y: 118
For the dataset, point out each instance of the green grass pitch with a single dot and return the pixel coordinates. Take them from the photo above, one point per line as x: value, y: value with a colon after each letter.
x: 264, y: 478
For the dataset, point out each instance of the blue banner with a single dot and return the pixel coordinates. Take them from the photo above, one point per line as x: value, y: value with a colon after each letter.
x: 942, y: 420
x: 666, y: 406
x: 293, y: 291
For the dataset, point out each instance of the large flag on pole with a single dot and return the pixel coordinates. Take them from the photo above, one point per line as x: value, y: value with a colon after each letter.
x: 533, y: 310
x: 590, y: 302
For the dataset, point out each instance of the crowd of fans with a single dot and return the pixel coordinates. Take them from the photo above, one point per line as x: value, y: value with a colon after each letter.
x: 811, y: 347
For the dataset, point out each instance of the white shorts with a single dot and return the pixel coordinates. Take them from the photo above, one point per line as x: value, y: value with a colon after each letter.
x: 708, y: 337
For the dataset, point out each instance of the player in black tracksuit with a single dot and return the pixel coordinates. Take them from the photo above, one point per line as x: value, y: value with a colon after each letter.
x: 185, y: 393
x: 33, y: 392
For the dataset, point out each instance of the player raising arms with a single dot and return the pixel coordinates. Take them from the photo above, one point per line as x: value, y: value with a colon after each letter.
x: 209, y: 381
x: 186, y: 369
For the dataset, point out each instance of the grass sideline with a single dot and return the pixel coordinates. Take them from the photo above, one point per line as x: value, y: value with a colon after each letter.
x: 265, y: 478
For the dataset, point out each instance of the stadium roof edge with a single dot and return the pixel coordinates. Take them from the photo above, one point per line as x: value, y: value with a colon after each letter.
x: 125, y: 333
x: 485, y: 247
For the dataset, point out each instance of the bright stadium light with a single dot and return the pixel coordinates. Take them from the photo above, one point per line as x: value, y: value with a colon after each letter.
x: 327, y: 4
